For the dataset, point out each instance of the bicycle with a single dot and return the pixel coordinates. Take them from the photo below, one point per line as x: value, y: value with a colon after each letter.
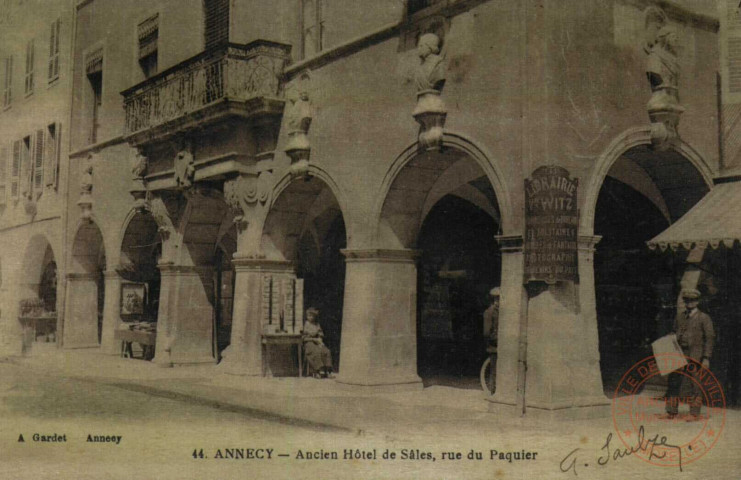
x: 488, y: 374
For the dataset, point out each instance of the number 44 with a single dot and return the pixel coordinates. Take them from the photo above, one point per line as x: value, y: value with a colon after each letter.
x: 198, y: 453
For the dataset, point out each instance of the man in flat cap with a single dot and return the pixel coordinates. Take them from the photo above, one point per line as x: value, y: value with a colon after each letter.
x: 696, y: 336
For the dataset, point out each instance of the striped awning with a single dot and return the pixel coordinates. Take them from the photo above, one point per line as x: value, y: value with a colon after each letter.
x: 713, y: 221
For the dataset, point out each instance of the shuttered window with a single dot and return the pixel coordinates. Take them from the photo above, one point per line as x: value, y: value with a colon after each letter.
x: 38, y: 162
x: 29, y: 68
x: 51, y: 155
x: 53, y: 72
x: 26, y: 177
x: 216, y: 29
x: 312, y: 28
x: 3, y: 173
x: 8, y: 81
x: 15, y: 170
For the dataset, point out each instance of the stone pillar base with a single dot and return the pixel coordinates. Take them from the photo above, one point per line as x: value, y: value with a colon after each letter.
x: 379, y: 334
x: 386, y: 384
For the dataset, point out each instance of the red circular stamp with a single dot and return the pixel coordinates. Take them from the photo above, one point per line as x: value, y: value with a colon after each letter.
x: 659, y: 430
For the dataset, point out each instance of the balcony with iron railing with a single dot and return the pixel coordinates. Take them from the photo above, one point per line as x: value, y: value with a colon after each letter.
x: 223, y: 82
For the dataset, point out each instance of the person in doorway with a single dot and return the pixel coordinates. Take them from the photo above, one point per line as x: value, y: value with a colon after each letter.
x: 317, y: 354
x: 695, y: 334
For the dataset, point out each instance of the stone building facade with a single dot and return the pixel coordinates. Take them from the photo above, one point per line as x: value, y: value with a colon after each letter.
x: 371, y: 160
x: 34, y: 121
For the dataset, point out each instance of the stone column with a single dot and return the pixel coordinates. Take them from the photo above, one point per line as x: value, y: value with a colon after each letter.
x: 244, y: 354
x: 185, y: 315
x: 510, y: 359
x: 591, y: 372
x: 563, y: 372
x: 111, y: 314
x: 81, y: 317
x: 379, y: 326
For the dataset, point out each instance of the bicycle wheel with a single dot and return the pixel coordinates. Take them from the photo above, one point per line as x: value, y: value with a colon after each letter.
x: 487, y: 376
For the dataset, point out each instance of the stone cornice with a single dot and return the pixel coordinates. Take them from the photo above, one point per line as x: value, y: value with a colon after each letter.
x: 380, y: 255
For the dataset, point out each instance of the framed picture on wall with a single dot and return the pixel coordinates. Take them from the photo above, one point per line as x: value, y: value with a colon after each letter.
x: 132, y: 298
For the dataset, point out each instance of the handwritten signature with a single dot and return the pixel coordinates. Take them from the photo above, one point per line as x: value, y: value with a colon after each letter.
x: 647, y: 445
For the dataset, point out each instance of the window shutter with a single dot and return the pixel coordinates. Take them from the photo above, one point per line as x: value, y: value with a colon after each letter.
x: 217, y: 22
x: 54, y: 51
x: 51, y: 156
x: 15, y: 170
x: 3, y: 173
x: 26, y: 179
x: 38, y: 164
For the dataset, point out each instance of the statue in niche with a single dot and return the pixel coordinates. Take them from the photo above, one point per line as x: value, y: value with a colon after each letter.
x: 662, y: 72
x: 139, y: 166
x: 299, y: 116
x: 430, y: 74
x: 184, y: 167
x: 86, y: 180
x: 429, y: 78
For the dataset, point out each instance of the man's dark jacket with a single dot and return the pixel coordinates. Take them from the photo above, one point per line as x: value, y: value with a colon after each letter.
x: 695, y: 334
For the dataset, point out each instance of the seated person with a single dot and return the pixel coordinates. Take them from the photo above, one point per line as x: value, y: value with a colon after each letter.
x: 317, y: 354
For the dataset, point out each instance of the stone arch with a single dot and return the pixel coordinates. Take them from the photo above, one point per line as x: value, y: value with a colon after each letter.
x: 633, y: 193
x: 329, y: 196
x: 465, y: 147
x: 631, y: 138
x: 449, y: 204
x: 304, y: 233
x: 36, y: 288
x: 85, y: 294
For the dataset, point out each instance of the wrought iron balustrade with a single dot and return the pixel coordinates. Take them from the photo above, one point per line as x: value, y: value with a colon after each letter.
x: 230, y: 72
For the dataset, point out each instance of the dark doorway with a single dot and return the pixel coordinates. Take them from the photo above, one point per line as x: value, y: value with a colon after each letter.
x: 460, y: 262
x: 322, y: 266
x: 632, y: 283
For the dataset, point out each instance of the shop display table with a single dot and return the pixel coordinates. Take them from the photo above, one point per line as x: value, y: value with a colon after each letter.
x: 143, y: 338
x: 270, y: 339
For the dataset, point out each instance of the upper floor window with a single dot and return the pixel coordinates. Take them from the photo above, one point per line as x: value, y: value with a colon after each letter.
x: 94, y: 98
x: 29, y: 68
x: 148, y: 33
x: 3, y: 173
x: 8, y: 81
x: 312, y: 28
x: 216, y: 16
x: 53, y: 73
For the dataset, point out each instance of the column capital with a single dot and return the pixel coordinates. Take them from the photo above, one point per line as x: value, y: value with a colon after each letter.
x: 510, y: 243
x: 244, y: 263
x: 167, y: 268
x: 82, y: 276
x: 402, y: 255
x: 588, y: 243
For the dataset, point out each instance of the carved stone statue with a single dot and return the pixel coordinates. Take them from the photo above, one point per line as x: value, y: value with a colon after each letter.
x: 139, y: 165
x: 429, y: 78
x: 298, y: 121
x: 86, y: 189
x: 184, y: 168
x: 138, y: 189
x: 86, y: 180
x: 430, y: 74
x: 662, y: 71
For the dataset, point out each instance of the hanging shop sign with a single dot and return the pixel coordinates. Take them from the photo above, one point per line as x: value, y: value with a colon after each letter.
x: 551, y: 221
